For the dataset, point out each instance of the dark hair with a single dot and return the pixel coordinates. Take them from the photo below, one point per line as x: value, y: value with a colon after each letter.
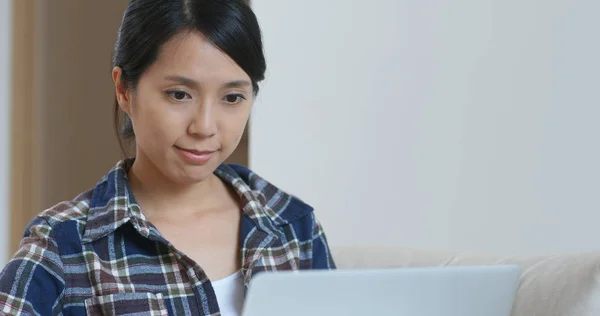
x: 148, y: 24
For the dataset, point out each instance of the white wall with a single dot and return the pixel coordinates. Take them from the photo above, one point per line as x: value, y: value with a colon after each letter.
x: 5, y: 89
x: 469, y: 125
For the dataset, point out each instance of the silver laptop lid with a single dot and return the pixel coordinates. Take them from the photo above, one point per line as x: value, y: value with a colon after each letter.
x: 449, y: 291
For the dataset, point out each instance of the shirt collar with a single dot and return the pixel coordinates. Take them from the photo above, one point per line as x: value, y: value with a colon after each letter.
x: 113, y: 204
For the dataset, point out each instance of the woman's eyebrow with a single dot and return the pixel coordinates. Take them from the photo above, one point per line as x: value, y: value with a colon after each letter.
x: 191, y: 82
x: 237, y: 84
x: 183, y: 80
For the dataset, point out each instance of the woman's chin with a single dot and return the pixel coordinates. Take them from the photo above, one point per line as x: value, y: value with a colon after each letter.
x: 192, y: 175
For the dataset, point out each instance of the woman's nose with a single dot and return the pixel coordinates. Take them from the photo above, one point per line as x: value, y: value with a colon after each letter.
x: 203, y: 122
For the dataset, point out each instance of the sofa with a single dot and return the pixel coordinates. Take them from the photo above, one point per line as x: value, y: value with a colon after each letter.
x: 565, y: 285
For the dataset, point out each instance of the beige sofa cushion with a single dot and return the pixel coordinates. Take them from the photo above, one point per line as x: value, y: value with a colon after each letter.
x: 562, y: 285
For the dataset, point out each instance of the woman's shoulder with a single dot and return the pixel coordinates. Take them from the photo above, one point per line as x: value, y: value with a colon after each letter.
x: 75, y: 213
x: 70, y: 211
x: 281, y: 206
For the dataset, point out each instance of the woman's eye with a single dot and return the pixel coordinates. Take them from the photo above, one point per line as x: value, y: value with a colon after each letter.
x: 178, y: 95
x: 234, y: 98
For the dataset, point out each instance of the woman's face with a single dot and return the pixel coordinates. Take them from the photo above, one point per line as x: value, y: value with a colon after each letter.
x: 189, y: 109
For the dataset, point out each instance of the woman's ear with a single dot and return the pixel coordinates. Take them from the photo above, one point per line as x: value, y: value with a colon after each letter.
x: 121, y: 90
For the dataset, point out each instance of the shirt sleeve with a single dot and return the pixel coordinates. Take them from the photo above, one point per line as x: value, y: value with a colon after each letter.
x: 322, y: 258
x: 32, y: 282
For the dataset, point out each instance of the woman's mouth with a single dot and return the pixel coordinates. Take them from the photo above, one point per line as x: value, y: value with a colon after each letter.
x: 195, y: 157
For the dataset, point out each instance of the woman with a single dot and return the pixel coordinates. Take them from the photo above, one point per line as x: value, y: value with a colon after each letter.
x: 174, y: 230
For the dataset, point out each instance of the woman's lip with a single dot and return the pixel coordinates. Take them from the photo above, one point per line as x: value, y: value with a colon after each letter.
x: 195, y: 156
x: 197, y: 152
x: 206, y: 152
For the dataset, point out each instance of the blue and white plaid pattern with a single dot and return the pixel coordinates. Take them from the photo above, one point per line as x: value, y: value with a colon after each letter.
x: 98, y: 254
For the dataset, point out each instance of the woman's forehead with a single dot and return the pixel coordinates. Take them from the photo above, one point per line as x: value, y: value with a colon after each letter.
x: 193, y: 56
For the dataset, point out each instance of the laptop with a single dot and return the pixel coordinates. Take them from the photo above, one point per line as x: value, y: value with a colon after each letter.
x: 440, y: 291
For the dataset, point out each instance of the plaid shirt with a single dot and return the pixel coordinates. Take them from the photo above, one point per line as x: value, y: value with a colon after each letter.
x: 98, y: 254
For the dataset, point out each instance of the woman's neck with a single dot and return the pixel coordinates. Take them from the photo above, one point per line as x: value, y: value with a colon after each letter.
x: 159, y: 197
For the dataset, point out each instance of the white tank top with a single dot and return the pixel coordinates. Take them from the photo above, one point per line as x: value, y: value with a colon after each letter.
x: 230, y: 294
